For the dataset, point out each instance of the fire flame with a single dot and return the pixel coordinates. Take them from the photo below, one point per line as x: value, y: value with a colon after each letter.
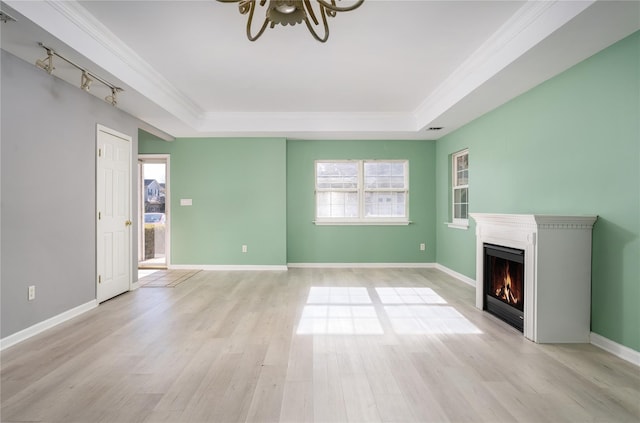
x: 505, y: 292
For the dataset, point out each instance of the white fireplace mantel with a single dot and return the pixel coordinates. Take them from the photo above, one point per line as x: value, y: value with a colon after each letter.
x: 557, y: 267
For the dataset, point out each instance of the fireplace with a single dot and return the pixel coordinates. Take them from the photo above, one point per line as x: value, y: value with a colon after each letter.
x: 551, y: 255
x: 504, y: 284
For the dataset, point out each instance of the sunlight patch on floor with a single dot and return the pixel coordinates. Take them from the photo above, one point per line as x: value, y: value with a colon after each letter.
x: 409, y: 296
x: 421, y: 319
x: 338, y: 295
x: 334, y: 310
x: 339, y: 320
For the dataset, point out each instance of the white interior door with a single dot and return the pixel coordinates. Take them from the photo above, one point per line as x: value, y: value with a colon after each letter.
x: 113, y: 203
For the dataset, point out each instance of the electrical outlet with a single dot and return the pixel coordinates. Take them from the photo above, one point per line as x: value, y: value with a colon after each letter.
x: 32, y: 293
x: 244, y: 248
x: 423, y: 246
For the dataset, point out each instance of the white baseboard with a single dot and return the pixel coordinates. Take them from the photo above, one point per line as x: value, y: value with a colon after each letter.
x: 225, y: 267
x: 361, y: 265
x: 456, y: 275
x: 27, y: 333
x: 625, y: 353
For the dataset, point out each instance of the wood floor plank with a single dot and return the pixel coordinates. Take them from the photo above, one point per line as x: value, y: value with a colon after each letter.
x: 224, y: 347
x: 297, y: 402
x: 328, y: 400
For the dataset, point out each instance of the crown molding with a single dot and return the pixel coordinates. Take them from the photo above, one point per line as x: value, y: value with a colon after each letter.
x: 72, y: 24
x: 532, y: 23
x: 307, y: 121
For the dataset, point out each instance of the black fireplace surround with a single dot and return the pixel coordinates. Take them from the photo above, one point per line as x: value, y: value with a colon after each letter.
x: 504, y: 284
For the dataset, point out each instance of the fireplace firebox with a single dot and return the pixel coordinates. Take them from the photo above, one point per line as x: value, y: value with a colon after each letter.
x: 504, y: 284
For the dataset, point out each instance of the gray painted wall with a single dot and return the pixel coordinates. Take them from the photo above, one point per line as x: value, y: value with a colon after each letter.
x: 48, y: 140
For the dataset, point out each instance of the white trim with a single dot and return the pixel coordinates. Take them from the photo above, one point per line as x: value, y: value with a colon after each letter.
x: 362, y: 222
x: 619, y: 350
x: 226, y: 267
x: 307, y: 122
x: 459, y: 276
x: 362, y: 265
x: 457, y: 225
x: 33, y: 330
x: 166, y: 160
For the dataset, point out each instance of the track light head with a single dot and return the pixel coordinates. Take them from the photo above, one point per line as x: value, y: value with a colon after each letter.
x: 47, y: 62
x: 85, y: 81
x: 113, y: 97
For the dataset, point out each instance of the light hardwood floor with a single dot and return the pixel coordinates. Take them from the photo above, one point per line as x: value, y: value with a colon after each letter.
x: 224, y: 347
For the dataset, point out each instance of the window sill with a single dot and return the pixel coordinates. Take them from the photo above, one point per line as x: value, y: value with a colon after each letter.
x: 458, y: 225
x: 362, y: 223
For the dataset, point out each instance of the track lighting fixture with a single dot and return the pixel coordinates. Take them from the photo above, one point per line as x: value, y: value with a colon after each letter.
x: 113, y: 97
x: 86, y: 79
x: 5, y: 17
x: 47, y: 62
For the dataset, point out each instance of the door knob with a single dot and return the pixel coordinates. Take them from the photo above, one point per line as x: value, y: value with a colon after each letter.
x: 128, y: 223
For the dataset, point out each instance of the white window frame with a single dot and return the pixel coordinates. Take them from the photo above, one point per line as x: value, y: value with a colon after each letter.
x: 361, y: 191
x: 458, y: 222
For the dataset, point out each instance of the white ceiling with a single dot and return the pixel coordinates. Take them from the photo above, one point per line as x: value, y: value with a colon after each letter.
x: 389, y: 70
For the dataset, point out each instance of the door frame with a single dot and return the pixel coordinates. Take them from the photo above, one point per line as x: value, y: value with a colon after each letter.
x: 155, y: 158
x: 129, y: 139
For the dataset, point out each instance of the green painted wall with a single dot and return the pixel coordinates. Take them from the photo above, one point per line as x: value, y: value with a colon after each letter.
x: 308, y: 243
x: 238, y: 187
x: 568, y: 146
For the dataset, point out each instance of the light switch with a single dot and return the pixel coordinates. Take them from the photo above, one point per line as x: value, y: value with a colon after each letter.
x: 186, y: 202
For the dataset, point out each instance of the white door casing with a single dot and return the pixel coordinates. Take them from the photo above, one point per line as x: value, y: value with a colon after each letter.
x: 113, y: 213
x: 154, y: 159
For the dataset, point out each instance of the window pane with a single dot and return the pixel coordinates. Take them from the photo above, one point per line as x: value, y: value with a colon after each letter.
x: 397, y: 182
x: 322, y: 204
x: 464, y: 211
x: 377, y: 168
x: 460, y: 203
x: 385, y: 204
x: 397, y: 168
x: 462, y: 177
x: 384, y: 175
x: 336, y: 175
x: 457, y: 211
x: 337, y: 204
x: 460, y: 195
x: 462, y: 162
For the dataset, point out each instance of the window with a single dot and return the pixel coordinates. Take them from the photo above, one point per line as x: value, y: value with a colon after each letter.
x: 460, y: 185
x: 362, y: 192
